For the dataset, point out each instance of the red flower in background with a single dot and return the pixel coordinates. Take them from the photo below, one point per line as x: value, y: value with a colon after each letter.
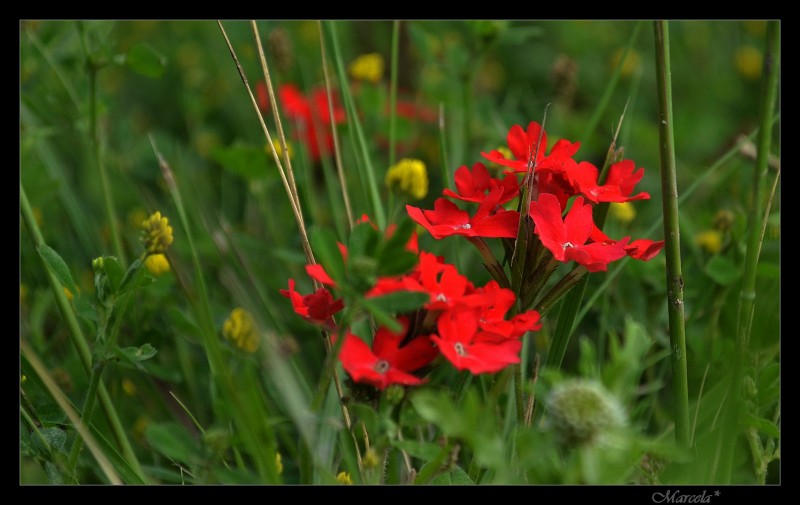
x: 310, y: 116
x: 386, y: 363
x: 447, y: 219
x: 566, y: 238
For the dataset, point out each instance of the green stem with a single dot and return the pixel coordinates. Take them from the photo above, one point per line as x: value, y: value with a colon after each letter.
x: 88, y: 409
x: 393, y: 91
x: 669, y: 191
x: 78, y: 340
x: 93, y: 66
x: 352, y: 119
x: 747, y: 296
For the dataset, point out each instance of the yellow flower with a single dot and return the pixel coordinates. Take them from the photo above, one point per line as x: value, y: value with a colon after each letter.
x: 69, y: 294
x: 411, y: 176
x: 344, y: 478
x: 156, y: 233
x: 710, y: 240
x: 240, y: 329
x: 748, y: 62
x: 278, y: 463
x: 157, y: 264
x: 632, y: 62
x: 128, y: 387
x: 279, y: 149
x: 367, y: 67
x: 622, y: 211
x: 371, y: 459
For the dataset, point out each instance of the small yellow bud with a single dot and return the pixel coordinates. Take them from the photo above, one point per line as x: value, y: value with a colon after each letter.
x: 622, y: 211
x: 371, y: 459
x: 157, y: 264
x: 344, y: 479
x: 156, y: 233
x: 367, y: 67
x: 278, y: 149
x: 748, y: 62
x: 507, y: 154
x: 632, y: 62
x: 128, y: 387
x: 278, y: 463
x: 23, y: 379
x: 410, y: 176
x: 241, y: 330
x: 69, y: 294
x: 710, y: 240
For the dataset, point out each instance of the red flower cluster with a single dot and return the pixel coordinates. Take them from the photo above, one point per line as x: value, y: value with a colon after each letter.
x: 464, y: 323
x: 310, y: 115
x: 557, y: 177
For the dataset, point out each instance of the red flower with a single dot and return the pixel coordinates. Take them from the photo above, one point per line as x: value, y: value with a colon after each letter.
x: 492, y: 317
x: 524, y: 143
x: 566, y: 239
x: 447, y: 219
x: 441, y: 281
x: 467, y: 347
x: 622, y: 177
x: 311, y: 117
x: 386, y: 363
x: 473, y: 185
x: 641, y: 249
x: 317, y: 308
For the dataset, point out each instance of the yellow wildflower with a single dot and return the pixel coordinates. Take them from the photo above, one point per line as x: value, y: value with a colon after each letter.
x: 710, y: 240
x: 371, y: 459
x: 157, y: 264
x: 367, y: 67
x: 748, y: 62
x: 279, y: 149
x: 128, y: 387
x: 344, y: 478
x: 632, y: 62
x: 278, y: 463
x: 156, y: 233
x: 240, y: 329
x: 410, y: 176
x: 69, y: 294
x: 622, y: 211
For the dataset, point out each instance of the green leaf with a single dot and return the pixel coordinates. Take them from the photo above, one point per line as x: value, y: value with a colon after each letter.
x: 246, y: 161
x: 236, y: 476
x: 51, y: 413
x: 127, y: 281
x: 456, y: 476
x: 114, y: 272
x: 399, y: 302
x: 765, y: 426
x: 173, y: 441
x: 422, y: 450
x: 51, y: 439
x: 363, y: 240
x: 144, y: 60
x: 325, y: 247
x: 57, y: 267
x: 722, y: 270
x: 135, y: 354
x: 54, y: 474
x: 518, y: 35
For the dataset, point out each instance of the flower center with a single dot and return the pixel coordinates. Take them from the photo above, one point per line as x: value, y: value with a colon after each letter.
x: 381, y: 366
x: 567, y: 244
x: 441, y: 298
x: 465, y: 226
x: 459, y: 347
